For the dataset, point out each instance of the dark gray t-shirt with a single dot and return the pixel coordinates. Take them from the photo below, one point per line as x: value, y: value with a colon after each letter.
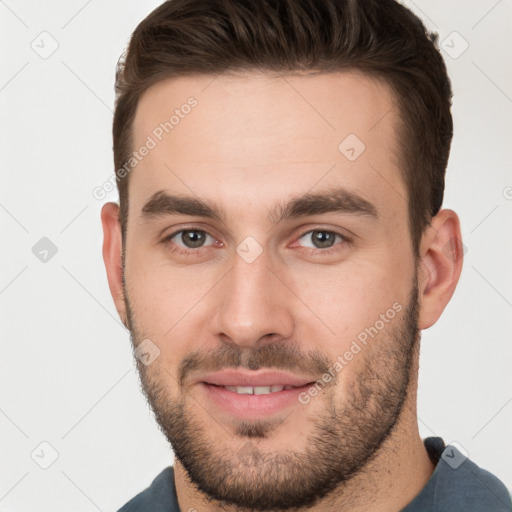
x: 457, y: 484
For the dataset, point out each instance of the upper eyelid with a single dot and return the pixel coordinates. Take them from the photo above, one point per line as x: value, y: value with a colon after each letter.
x: 323, y: 230
x: 345, y: 239
x: 175, y: 233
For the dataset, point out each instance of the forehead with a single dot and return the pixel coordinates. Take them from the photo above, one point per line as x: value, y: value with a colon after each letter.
x: 265, y: 136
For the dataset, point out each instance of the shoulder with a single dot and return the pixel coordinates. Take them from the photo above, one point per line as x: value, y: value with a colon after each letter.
x: 459, y: 484
x: 471, y: 487
x: 160, y: 496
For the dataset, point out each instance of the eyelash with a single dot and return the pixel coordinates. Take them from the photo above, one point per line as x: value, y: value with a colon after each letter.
x: 176, y: 249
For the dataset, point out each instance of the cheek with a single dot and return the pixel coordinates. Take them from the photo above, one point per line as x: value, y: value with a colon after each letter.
x: 165, y: 303
x: 348, y: 300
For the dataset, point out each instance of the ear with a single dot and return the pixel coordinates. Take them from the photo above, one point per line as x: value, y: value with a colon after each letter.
x: 441, y: 256
x: 112, y: 251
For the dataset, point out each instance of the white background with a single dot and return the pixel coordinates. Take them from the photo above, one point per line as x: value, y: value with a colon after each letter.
x: 66, y: 370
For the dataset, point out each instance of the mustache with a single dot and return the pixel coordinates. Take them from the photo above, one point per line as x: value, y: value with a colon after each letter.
x: 274, y: 355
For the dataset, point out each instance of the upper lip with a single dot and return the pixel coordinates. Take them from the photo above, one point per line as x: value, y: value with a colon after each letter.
x: 231, y: 377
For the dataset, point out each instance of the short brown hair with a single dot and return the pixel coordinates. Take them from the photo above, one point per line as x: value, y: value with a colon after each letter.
x: 381, y: 38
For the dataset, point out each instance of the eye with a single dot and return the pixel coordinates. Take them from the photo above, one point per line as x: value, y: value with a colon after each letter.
x: 321, y: 239
x: 190, y: 238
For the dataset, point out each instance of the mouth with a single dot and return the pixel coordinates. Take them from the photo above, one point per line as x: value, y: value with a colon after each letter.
x: 257, y: 390
x: 252, y: 402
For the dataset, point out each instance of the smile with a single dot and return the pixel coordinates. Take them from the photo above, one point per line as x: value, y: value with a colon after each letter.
x: 256, y: 390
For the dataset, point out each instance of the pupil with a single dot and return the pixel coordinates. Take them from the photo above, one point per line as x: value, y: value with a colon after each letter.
x: 323, y: 238
x: 193, y: 238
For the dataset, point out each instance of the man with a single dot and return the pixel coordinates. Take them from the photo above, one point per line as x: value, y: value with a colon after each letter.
x: 278, y: 247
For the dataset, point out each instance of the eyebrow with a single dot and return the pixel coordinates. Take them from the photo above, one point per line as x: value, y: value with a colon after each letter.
x: 162, y: 203
x: 337, y: 200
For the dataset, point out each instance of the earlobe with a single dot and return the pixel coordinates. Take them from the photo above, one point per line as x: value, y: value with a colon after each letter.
x: 441, y: 260
x: 112, y: 255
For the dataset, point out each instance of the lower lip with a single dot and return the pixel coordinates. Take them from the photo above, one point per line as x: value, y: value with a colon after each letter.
x: 252, y: 406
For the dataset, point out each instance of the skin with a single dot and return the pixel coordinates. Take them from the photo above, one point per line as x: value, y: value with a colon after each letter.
x: 253, y: 142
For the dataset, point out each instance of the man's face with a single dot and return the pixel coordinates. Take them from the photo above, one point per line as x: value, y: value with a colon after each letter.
x: 307, y: 264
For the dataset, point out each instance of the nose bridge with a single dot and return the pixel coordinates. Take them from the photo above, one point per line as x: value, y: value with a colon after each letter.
x: 254, y: 303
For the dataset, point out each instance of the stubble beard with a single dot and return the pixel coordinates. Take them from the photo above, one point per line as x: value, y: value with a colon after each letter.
x: 344, y: 438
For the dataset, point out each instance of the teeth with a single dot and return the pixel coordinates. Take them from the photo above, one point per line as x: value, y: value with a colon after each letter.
x: 264, y: 390
x: 256, y: 390
x: 242, y: 390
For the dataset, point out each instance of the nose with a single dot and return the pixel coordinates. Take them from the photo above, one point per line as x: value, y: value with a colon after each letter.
x: 255, y: 307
